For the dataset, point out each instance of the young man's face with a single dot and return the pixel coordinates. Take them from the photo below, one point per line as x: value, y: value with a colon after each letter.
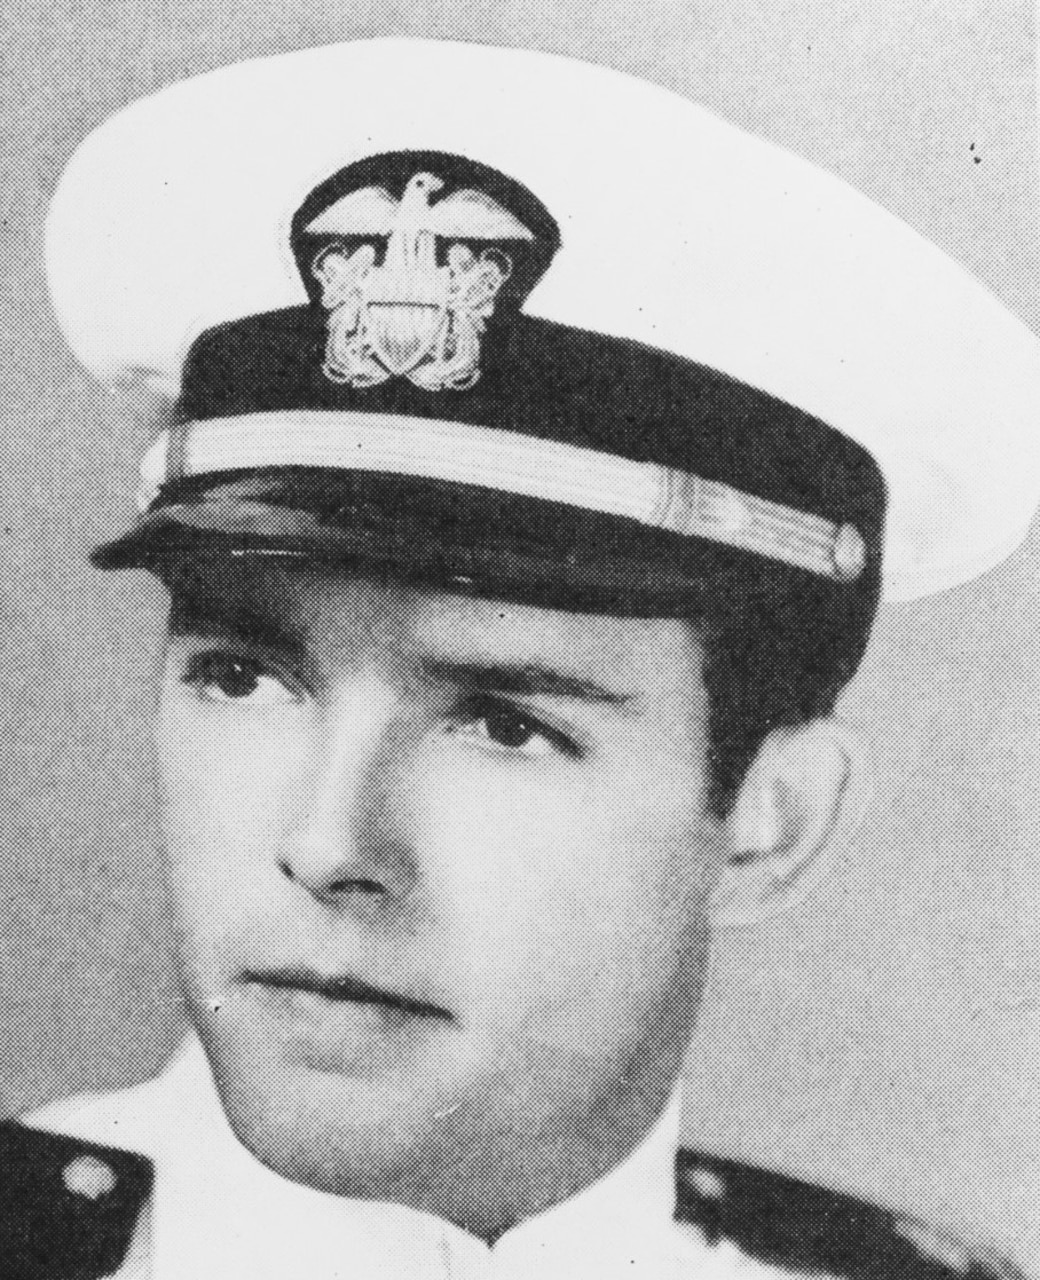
x: 440, y: 866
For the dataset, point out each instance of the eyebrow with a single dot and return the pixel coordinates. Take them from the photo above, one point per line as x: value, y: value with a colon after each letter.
x: 192, y: 616
x: 525, y: 679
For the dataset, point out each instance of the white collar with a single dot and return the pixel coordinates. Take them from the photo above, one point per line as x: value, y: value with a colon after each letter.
x: 220, y: 1213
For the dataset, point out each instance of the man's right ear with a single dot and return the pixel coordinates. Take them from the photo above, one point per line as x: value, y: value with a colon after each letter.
x: 803, y: 798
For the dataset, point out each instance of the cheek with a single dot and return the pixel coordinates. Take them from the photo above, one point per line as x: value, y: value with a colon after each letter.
x: 225, y: 791
x: 496, y: 837
x: 568, y: 882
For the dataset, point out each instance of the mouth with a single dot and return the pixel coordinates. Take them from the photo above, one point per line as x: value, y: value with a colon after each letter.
x: 343, y: 989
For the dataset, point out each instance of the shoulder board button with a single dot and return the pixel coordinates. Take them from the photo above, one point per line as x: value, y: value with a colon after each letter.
x: 68, y: 1208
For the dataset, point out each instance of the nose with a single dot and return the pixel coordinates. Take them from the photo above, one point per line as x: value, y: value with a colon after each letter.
x: 348, y: 843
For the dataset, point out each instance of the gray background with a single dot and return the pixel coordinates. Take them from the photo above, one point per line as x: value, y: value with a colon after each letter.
x: 884, y: 1037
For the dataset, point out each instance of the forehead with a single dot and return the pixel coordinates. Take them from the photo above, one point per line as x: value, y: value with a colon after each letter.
x: 335, y: 614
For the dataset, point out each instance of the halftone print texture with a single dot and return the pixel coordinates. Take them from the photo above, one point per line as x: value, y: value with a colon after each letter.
x: 881, y: 1039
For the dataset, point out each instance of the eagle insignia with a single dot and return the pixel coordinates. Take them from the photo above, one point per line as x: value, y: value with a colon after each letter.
x: 420, y: 312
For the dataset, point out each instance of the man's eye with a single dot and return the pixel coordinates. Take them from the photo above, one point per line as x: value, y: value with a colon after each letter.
x: 514, y: 730
x: 226, y: 677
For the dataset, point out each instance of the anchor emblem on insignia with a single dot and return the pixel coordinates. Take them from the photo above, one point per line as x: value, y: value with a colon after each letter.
x: 419, y: 313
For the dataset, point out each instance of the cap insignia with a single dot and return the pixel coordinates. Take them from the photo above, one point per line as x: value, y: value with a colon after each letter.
x: 416, y: 314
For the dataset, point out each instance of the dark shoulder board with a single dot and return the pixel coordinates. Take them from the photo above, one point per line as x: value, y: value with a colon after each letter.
x: 800, y: 1227
x: 68, y: 1208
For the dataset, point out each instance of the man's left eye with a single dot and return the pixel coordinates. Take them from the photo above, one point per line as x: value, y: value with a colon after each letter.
x: 231, y: 678
x: 514, y: 730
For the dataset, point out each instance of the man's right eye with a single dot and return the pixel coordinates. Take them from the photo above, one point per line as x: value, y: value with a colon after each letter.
x: 229, y: 677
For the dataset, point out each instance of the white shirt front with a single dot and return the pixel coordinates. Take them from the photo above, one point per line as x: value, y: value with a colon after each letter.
x: 219, y: 1214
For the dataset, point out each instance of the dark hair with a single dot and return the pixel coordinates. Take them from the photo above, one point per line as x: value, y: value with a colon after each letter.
x: 775, y: 656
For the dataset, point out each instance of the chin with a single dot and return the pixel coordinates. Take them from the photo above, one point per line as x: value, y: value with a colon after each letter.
x: 392, y: 1136
x: 313, y: 1128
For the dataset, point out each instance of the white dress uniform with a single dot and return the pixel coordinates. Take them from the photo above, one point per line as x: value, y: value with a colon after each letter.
x: 218, y: 1212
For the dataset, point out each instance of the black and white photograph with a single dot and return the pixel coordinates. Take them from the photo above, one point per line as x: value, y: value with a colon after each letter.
x: 519, y: 640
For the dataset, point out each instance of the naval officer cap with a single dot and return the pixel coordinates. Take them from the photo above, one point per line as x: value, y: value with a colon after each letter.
x: 526, y: 327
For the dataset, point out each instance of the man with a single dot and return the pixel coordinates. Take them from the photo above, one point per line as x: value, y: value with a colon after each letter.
x: 503, y: 648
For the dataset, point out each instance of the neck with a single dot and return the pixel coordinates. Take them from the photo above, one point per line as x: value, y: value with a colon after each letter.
x: 499, y: 1180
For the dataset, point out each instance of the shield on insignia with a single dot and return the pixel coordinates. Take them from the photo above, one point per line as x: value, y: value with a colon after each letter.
x: 402, y: 335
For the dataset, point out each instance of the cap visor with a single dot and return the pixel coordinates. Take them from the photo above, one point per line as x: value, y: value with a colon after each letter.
x: 457, y: 537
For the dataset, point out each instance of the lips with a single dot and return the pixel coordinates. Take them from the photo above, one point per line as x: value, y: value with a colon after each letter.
x: 344, y: 989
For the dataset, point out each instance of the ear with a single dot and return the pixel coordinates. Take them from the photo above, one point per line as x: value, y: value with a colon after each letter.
x: 803, y: 797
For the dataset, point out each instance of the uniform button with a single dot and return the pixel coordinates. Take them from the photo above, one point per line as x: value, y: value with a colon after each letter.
x: 849, y: 554
x: 88, y: 1176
